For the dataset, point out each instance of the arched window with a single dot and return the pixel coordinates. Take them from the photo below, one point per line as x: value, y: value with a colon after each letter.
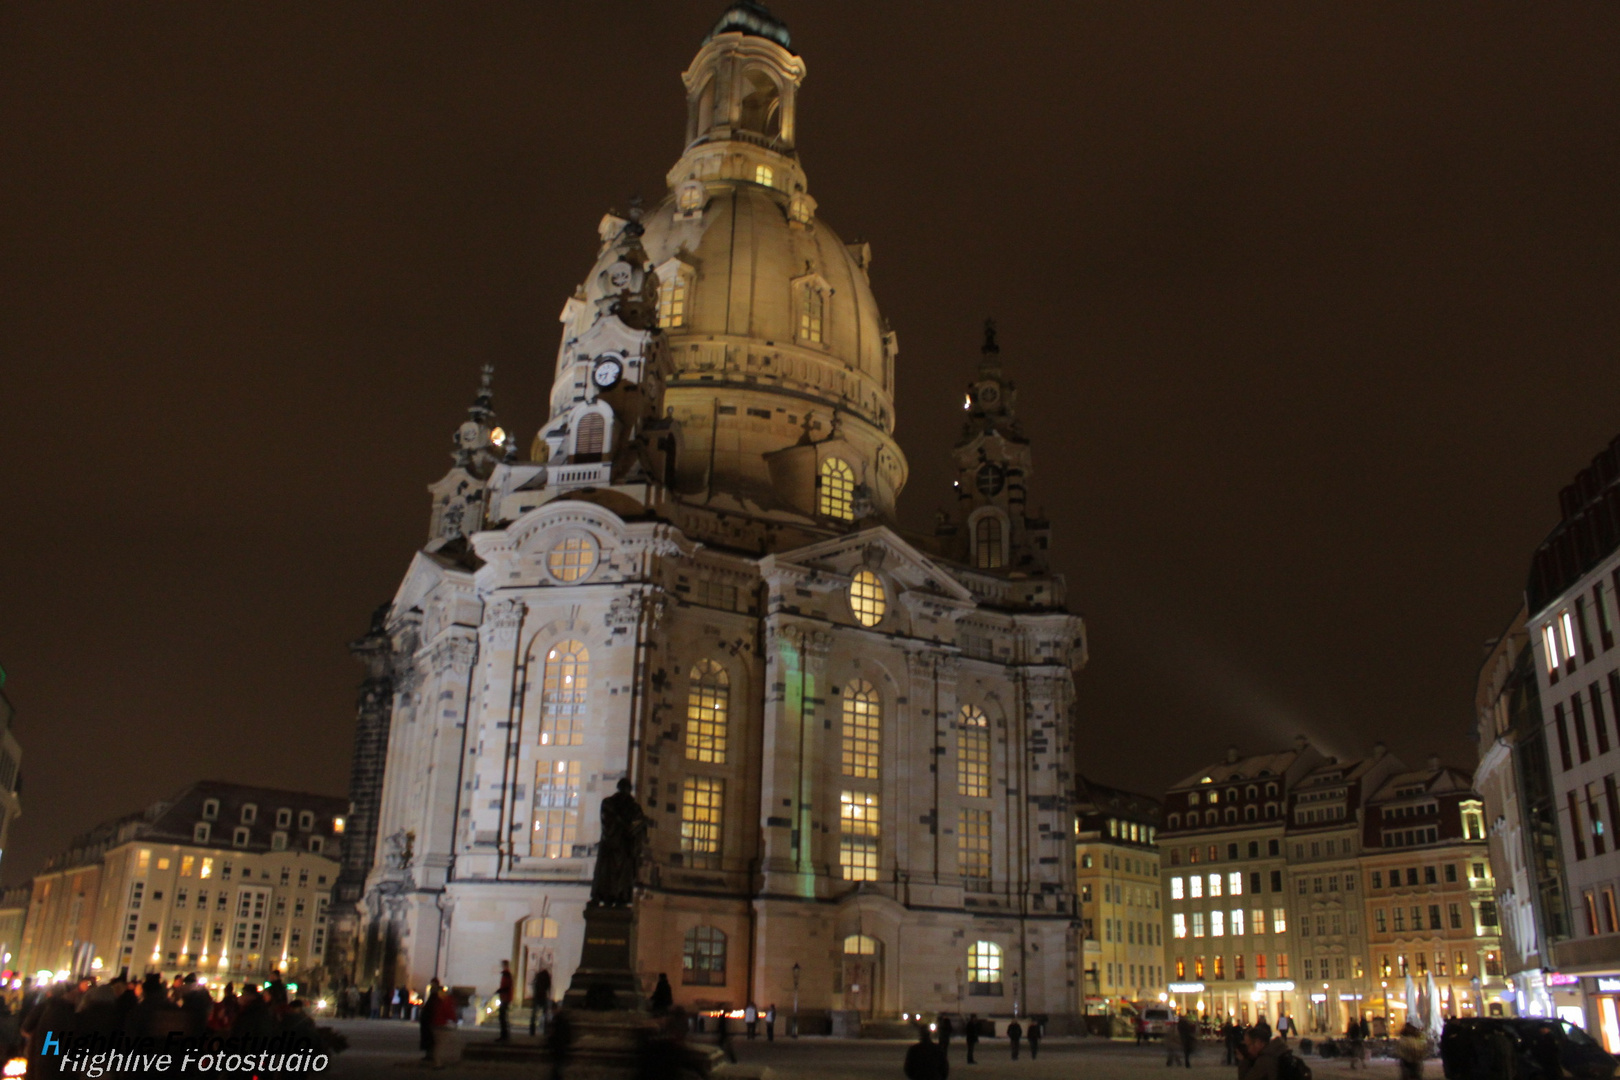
x: 866, y: 598
x: 835, y: 496
x: 859, y: 830
x: 972, y: 753
x: 863, y: 718
x: 563, y: 693
x: 672, y: 301
x: 703, y: 956
x: 702, y: 811
x: 984, y: 969
x: 707, y: 702
x: 1175, y: 821
x: 591, y: 435
x: 572, y: 559
x: 761, y: 104
x: 988, y: 551
x: 556, y: 810
x: 860, y: 945
x: 812, y: 313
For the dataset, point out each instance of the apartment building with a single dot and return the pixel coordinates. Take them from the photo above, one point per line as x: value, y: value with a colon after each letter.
x: 1572, y: 618
x: 1118, y: 890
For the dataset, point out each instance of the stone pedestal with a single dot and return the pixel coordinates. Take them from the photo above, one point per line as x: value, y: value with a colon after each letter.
x: 606, y: 977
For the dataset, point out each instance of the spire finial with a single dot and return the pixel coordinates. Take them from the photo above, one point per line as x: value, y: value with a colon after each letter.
x: 990, y: 346
x: 483, y: 407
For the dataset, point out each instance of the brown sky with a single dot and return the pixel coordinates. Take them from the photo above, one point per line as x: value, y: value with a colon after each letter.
x: 1313, y: 309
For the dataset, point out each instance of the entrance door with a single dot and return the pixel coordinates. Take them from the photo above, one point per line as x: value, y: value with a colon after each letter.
x: 863, y: 967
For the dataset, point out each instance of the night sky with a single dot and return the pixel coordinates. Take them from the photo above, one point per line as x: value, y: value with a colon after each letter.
x: 1312, y: 307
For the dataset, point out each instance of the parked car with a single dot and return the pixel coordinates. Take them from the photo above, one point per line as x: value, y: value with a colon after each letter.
x: 1540, y: 1046
x: 1158, y: 1019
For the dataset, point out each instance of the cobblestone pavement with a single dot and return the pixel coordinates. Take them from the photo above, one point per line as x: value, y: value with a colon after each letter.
x: 382, y: 1048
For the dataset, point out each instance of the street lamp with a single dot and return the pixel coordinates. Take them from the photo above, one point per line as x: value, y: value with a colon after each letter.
x: 795, y: 1018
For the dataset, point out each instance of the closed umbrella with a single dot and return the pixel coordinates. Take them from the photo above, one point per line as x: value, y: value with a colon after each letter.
x: 1435, y: 1015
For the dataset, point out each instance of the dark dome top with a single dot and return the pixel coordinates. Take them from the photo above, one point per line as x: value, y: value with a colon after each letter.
x: 749, y: 17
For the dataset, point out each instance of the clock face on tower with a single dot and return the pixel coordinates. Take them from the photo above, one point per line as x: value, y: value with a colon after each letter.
x: 608, y: 371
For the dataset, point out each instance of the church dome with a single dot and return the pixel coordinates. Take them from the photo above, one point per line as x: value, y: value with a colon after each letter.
x: 774, y: 335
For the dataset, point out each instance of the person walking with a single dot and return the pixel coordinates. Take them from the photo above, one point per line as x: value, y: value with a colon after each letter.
x: 540, y: 1004
x: 1141, y: 1031
x: 1015, y: 1032
x: 663, y: 995
x: 1285, y: 1026
x: 503, y: 998
x: 1262, y: 1057
x: 770, y: 1022
x: 925, y: 1061
x: 751, y: 1019
x: 723, y: 1038
x: 1188, y: 1033
x: 1411, y: 1048
x: 1034, y: 1036
x: 1172, y: 1044
x: 424, y: 1020
x: 946, y: 1031
x: 971, y: 1036
x: 1352, y: 1034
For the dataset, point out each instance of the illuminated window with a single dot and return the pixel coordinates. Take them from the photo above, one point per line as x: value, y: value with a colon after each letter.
x: 984, y: 967
x: 1279, y: 920
x: 1198, y: 967
x: 812, y: 314
x: 1198, y: 924
x: 563, y: 693
x: 703, y: 957
x: 987, y: 546
x: 591, y: 436
x: 1195, y: 887
x: 1237, y: 922
x: 1234, y: 883
x: 858, y: 835
x: 187, y: 863
x: 765, y: 175
x: 1178, y: 925
x: 1217, y: 924
x: 702, y: 801
x: 973, y: 848
x: 542, y: 927
x: 866, y: 598
x: 1176, y: 888
x: 972, y: 753
x: 572, y: 559
x: 143, y: 860
x: 860, y: 945
x: 835, y: 497
x: 1214, y: 884
x: 1566, y: 635
x: 556, y: 809
x: 863, y: 716
x: 1549, y: 643
x: 672, y: 301
x: 207, y: 868
x: 706, y: 705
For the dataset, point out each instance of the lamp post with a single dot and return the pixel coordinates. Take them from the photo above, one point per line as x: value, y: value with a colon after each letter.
x: 1385, y: 987
x: 795, y: 1019
x: 958, y: 994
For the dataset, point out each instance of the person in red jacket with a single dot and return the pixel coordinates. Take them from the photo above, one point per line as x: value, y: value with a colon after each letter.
x: 504, y: 996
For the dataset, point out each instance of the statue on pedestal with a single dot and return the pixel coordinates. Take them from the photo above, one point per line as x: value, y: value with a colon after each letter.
x: 618, y: 853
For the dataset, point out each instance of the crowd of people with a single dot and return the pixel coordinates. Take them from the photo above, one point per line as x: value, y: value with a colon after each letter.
x: 89, y: 1012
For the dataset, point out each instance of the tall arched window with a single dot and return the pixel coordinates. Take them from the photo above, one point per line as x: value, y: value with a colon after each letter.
x: 761, y: 104
x: 836, y: 495
x: 706, y: 705
x: 591, y: 435
x: 556, y: 810
x: 863, y: 719
x: 563, y: 694
x: 988, y: 550
x: 984, y: 968
x: 672, y: 301
x: 703, y: 956
x: 812, y: 314
x: 972, y: 753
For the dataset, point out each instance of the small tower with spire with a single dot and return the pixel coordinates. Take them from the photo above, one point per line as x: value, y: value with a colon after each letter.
x: 458, y: 496
x: 989, y: 528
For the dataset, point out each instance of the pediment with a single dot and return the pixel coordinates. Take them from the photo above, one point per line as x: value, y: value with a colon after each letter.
x: 425, y: 574
x: 877, y: 548
x: 610, y: 334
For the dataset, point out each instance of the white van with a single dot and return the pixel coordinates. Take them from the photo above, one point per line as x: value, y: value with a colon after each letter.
x: 1159, y: 1019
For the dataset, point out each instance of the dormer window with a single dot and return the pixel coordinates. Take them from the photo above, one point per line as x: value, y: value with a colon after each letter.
x: 240, y: 837
x: 250, y: 813
x: 278, y: 841
x: 306, y: 820
x: 283, y: 818
x: 672, y: 301
x: 210, y: 811
x: 812, y: 313
x: 835, y: 490
x: 765, y: 176
x: 200, y: 831
x: 316, y: 844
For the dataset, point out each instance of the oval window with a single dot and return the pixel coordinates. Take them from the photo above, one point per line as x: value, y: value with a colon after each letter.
x: 866, y: 598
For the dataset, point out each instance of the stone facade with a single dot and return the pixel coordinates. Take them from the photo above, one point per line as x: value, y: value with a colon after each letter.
x: 854, y: 744
x: 1121, y: 907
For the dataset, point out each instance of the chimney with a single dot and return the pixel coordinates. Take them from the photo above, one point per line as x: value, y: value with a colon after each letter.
x: 1231, y: 755
x: 1434, y: 762
x: 1379, y: 750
